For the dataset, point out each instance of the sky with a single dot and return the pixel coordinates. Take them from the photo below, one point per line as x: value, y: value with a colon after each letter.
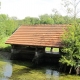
x: 32, y: 8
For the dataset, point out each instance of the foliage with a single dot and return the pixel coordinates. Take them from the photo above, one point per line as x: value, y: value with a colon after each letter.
x: 58, y: 19
x: 71, y: 49
x: 7, y: 25
x: 67, y: 20
x: 46, y: 19
x: 3, y: 46
x: 30, y: 21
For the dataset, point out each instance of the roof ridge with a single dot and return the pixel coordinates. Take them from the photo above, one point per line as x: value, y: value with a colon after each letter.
x: 47, y: 25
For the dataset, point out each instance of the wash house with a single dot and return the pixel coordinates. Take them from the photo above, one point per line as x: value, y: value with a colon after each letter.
x: 36, y: 40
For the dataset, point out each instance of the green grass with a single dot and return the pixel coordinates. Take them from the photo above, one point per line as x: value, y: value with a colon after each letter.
x: 69, y: 77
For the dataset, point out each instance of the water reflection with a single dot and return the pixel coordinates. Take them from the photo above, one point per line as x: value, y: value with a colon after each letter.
x: 6, y: 71
x: 52, y: 74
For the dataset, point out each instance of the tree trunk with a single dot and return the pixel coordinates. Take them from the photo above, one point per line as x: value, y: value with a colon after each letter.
x: 65, y: 68
x: 70, y: 70
x: 78, y: 70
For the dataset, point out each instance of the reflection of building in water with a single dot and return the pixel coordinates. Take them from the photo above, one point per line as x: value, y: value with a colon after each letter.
x: 52, y: 74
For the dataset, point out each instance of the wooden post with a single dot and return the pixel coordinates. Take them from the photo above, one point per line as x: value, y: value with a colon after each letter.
x: 51, y: 49
x: 12, y: 52
x: 12, y: 48
x: 60, y: 50
x: 39, y: 51
x: 35, y: 59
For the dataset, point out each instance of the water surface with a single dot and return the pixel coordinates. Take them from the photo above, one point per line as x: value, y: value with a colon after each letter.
x: 52, y: 74
x: 23, y: 70
x: 5, y: 70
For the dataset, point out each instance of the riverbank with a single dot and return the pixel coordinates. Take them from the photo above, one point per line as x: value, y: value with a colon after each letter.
x: 24, y: 70
x: 5, y: 55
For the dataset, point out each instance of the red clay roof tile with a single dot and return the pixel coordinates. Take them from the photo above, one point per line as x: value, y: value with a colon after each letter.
x: 38, y: 35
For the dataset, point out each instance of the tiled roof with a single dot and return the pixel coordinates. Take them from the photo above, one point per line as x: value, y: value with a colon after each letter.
x: 38, y: 35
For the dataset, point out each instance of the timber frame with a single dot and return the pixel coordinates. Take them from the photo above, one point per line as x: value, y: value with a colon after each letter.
x: 33, y: 40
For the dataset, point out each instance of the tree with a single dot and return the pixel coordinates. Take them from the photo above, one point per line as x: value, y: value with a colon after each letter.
x: 58, y: 19
x: 71, y: 49
x: 72, y: 7
x: 35, y: 21
x: 7, y: 25
x: 67, y: 19
x: 71, y: 38
x: 46, y: 19
x: 30, y: 21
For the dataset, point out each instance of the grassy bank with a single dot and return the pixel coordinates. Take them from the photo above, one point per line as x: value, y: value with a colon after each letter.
x: 24, y: 71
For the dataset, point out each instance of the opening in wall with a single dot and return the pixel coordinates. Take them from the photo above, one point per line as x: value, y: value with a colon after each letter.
x: 52, y: 50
